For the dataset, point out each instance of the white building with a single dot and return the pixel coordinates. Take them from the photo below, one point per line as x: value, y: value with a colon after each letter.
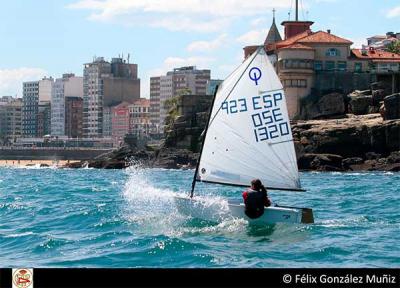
x: 68, y: 86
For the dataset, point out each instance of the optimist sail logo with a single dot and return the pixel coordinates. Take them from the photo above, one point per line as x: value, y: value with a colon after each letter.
x: 22, y: 278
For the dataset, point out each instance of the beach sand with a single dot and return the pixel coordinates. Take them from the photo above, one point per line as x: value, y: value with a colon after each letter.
x: 28, y: 163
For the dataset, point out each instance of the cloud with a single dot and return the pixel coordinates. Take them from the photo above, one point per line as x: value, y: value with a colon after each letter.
x: 11, y: 79
x: 259, y: 22
x: 185, y: 15
x: 358, y: 42
x: 207, y: 46
x: 253, y: 37
x: 394, y: 12
x: 175, y: 62
x: 186, y: 24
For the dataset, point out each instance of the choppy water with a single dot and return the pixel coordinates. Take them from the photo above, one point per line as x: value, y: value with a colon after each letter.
x: 99, y: 218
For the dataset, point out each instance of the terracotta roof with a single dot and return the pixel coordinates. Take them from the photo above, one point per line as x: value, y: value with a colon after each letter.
x: 298, y: 46
x: 376, y: 55
x: 292, y: 40
x: 324, y: 37
x: 309, y: 37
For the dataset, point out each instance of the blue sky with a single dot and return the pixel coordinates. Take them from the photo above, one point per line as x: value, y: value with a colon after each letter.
x: 49, y: 38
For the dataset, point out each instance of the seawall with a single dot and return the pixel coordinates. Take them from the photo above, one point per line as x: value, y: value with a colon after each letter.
x: 50, y: 153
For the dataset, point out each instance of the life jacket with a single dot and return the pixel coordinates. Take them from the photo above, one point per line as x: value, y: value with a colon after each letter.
x: 254, y: 203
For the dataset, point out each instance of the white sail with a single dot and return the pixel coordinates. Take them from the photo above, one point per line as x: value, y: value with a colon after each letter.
x: 249, y: 133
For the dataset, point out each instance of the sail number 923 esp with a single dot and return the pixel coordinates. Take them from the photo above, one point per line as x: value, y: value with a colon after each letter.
x: 267, y: 118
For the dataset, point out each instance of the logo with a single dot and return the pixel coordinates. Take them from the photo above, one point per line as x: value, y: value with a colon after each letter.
x: 22, y: 278
x: 255, y: 74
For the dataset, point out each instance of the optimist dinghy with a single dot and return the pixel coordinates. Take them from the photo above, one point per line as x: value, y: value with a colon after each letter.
x: 248, y: 136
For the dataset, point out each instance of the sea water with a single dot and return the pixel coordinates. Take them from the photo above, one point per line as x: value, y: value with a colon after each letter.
x: 128, y: 218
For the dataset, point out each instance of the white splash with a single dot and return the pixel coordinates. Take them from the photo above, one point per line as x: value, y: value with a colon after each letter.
x: 158, y: 211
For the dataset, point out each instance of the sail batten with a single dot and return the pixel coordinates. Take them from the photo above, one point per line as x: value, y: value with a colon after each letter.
x: 248, y: 135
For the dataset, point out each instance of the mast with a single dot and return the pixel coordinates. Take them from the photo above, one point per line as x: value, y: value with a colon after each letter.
x: 297, y: 10
x: 202, y: 144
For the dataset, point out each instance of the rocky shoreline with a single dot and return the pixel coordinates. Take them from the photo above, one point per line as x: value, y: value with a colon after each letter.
x: 352, y: 143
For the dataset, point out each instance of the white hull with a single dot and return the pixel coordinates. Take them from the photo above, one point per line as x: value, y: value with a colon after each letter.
x: 215, y: 212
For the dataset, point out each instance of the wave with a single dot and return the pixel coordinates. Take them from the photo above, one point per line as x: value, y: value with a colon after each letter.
x: 17, y: 235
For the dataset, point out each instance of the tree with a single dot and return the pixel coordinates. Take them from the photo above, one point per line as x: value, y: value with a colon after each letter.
x: 171, y: 105
x: 394, y: 47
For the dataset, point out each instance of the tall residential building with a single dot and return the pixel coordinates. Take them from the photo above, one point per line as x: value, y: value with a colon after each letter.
x: 106, y: 84
x: 33, y: 93
x: 73, y: 117
x: 30, y: 108
x: 166, y: 87
x: 67, y: 86
x: 10, y: 118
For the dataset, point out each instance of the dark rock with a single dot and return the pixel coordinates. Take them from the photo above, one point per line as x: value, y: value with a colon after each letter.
x: 392, y: 107
x: 372, y: 156
x: 394, y: 168
x: 359, y: 105
x: 328, y: 106
x: 394, y: 157
x: 352, y: 161
x: 322, y: 162
x: 378, y: 96
x: 373, y: 109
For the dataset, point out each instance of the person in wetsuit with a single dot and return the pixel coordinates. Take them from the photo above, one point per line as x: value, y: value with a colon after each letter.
x: 255, y: 199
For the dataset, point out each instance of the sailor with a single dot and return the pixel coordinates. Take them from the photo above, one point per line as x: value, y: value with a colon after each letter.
x: 255, y: 199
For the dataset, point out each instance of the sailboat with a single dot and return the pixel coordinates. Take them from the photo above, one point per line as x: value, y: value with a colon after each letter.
x: 248, y: 136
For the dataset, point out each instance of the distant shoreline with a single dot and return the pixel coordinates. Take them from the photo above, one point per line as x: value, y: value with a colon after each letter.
x: 28, y: 163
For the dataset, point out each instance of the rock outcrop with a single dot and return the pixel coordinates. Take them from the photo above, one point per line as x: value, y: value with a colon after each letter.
x: 185, y: 129
x: 328, y: 106
x: 392, y: 107
x: 353, y: 143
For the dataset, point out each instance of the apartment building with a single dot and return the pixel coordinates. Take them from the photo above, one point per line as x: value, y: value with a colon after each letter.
x: 166, y: 87
x: 10, y: 118
x: 106, y: 84
x: 34, y: 93
x: 67, y: 86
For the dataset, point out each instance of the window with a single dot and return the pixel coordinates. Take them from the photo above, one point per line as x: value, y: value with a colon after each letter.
x: 295, y: 83
x: 318, y: 65
x: 342, y: 65
x: 297, y: 64
x: 358, y: 67
x: 332, y: 52
x: 330, y: 65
